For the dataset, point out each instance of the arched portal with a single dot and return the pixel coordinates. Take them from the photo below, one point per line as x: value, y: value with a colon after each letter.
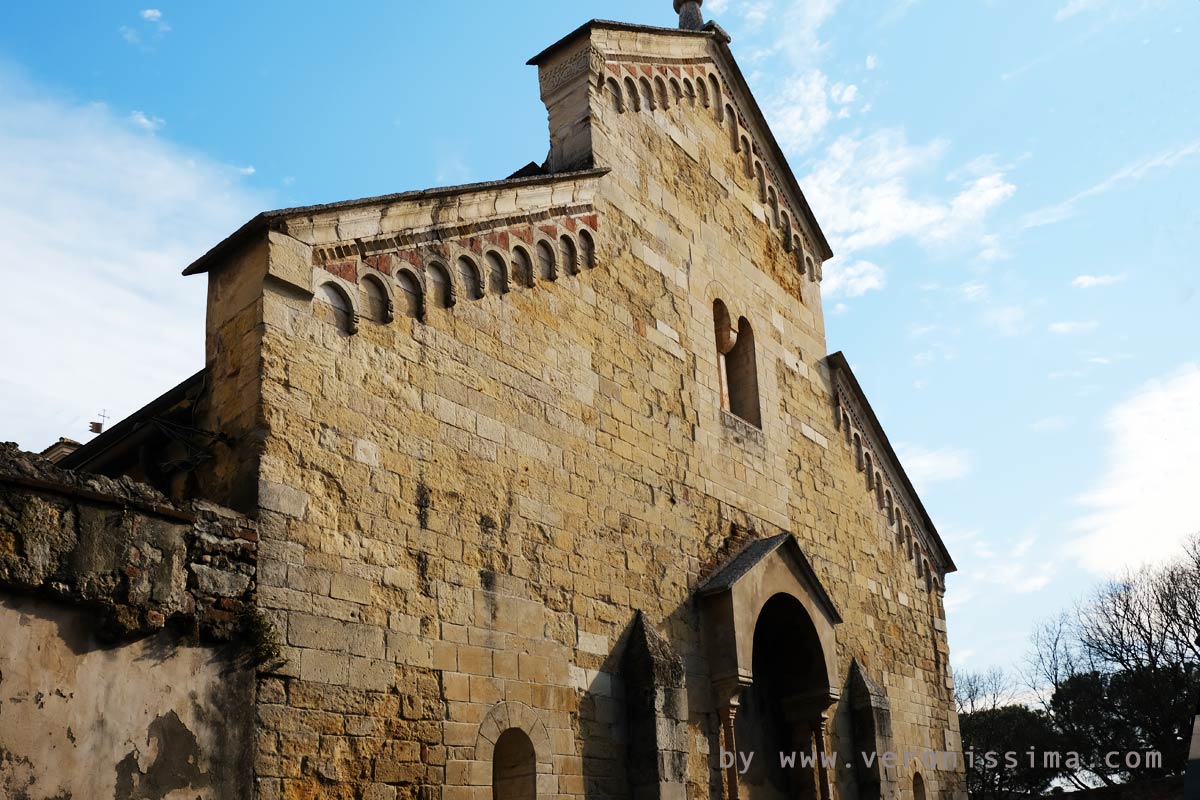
x: 772, y: 645
x: 782, y: 711
x: 514, y: 767
x: 918, y: 787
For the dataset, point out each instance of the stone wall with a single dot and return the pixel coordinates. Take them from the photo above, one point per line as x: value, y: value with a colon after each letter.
x: 125, y: 670
x: 465, y: 503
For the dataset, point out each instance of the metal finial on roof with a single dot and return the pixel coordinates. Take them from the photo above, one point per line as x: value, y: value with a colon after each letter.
x: 690, y: 18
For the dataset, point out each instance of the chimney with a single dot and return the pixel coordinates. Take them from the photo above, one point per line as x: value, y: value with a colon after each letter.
x: 690, y: 18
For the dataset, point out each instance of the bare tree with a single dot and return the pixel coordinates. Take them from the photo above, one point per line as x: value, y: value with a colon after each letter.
x: 979, y: 691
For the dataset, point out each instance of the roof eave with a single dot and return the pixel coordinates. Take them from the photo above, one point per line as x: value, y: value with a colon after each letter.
x: 839, y: 363
x: 264, y: 220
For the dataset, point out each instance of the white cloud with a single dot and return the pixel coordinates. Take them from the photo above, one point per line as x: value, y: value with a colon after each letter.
x: 1050, y: 424
x: 1007, y: 320
x: 872, y: 62
x: 843, y: 94
x: 800, y: 111
x: 1129, y: 174
x: 1072, y: 328
x: 147, y: 123
x: 110, y: 216
x: 861, y: 190
x: 1092, y: 281
x: 974, y: 291
x: 152, y: 15
x: 1143, y: 506
x: 1075, y: 7
x: 852, y: 279
x: 926, y: 467
x: 130, y: 35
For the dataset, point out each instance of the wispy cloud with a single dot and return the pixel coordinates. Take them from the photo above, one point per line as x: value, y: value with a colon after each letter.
x: 862, y: 187
x: 853, y: 279
x: 1092, y: 281
x: 147, y: 122
x: 1076, y: 7
x: 1143, y: 506
x: 1072, y: 328
x: 929, y: 466
x: 1050, y: 424
x: 152, y: 15
x: 97, y: 203
x: 1010, y: 320
x: 1129, y: 174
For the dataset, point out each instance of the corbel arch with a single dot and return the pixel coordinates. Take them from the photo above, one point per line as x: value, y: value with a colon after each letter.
x: 340, y: 298
x: 378, y: 299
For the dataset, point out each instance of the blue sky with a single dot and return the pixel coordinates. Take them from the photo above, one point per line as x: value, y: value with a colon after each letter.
x: 1009, y: 187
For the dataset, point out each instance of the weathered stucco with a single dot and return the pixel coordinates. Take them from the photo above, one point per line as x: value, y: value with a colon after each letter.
x: 84, y: 720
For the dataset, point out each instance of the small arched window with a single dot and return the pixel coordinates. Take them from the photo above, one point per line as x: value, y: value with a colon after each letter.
x: 747, y: 157
x: 737, y: 366
x: 468, y: 279
x: 787, y: 230
x: 441, y: 290
x: 522, y: 268
x: 497, y: 273
x: 676, y: 92
x: 614, y: 94
x: 891, y: 507
x: 648, y: 102
x: 631, y: 94
x: 661, y: 94
x: 547, y: 269
x: 587, y: 250
x: 869, y: 468
x: 918, y: 787
x: 812, y: 270
x: 773, y: 202
x: 760, y: 175
x: 514, y: 767
x: 689, y: 91
x: 333, y: 306
x: 375, y: 300
x: 715, y: 85
x: 702, y: 95
x: 858, y: 452
x: 410, y: 300
x: 569, y: 255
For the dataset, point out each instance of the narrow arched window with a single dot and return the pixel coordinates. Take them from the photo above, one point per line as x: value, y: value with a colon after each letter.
x: 410, y: 300
x: 497, y: 273
x: 522, y: 268
x: 661, y: 93
x: 647, y: 94
x: 773, y: 202
x: 747, y: 157
x: 761, y: 176
x: 547, y: 270
x: 716, y: 96
x: 858, y: 452
x: 737, y: 365
x: 891, y: 507
x: 441, y: 290
x: 918, y: 787
x: 375, y: 300
x: 631, y: 94
x: 569, y: 255
x: 869, y: 468
x: 812, y: 270
x: 614, y: 93
x: 786, y: 221
x: 514, y: 767
x: 587, y: 250
x: 468, y: 279
x: 333, y: 306
x: 676, y: 92
x: 702, y: 94
x: 689, y: 91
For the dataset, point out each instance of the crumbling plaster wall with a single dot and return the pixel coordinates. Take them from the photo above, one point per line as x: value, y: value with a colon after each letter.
x: 125, y: 671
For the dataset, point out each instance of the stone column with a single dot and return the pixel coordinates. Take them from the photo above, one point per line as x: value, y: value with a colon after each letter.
x: 823, y: 782
x: 728, y: 716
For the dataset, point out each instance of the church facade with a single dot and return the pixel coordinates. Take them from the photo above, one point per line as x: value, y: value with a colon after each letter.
x: 555, y: 492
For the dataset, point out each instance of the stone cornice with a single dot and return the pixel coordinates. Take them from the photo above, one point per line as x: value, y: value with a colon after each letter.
x: 856, y: 418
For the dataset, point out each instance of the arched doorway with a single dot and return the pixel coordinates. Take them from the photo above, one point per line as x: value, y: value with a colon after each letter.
x: 514, y: 767
x: 782, y: 711
x: 918, y: 787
